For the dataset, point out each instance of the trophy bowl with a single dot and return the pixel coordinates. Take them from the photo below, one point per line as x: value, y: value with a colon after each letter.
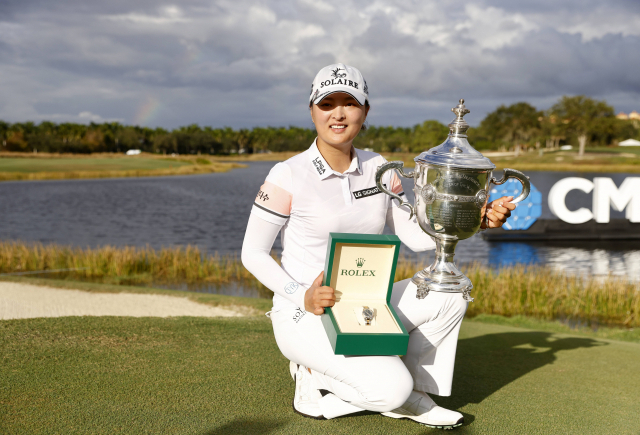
x: 451, y: 185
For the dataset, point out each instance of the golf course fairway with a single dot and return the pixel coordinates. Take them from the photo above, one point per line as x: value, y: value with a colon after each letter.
x: 219, y: 376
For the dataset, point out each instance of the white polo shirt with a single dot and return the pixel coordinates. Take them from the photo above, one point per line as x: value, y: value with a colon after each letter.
x: 311, y: 200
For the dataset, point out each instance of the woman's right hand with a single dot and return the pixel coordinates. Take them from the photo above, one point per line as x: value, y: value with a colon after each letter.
x: 319, y: 296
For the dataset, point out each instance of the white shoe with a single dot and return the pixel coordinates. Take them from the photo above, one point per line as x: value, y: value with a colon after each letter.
x: 305, y: 399
x: 421, y: 408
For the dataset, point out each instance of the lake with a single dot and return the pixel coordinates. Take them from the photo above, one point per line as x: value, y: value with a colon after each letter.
x: 211, y: 211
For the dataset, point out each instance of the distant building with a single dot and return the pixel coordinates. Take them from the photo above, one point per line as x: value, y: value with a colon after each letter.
x: 630, y: 143
x: 633, y: 115
x: 133, y: 152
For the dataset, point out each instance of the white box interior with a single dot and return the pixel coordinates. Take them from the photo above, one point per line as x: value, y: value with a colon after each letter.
x: 355, y: 287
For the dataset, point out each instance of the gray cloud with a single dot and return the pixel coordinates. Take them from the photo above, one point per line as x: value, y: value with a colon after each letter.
x: 244, y: 64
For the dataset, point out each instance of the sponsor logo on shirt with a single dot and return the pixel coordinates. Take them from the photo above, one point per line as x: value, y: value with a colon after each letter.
x: 319, y: 166
x: 299, y: 314
x: 291, y: 288
x: 359, y: 194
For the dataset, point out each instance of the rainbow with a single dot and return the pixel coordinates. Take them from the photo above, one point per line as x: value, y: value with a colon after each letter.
x: 147, y: 111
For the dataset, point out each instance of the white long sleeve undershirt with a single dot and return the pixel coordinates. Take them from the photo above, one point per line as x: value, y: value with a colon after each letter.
x: 260, y: 235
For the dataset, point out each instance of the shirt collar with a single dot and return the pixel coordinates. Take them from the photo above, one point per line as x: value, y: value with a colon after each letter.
x: 322, y: 168
x: 356, y: 165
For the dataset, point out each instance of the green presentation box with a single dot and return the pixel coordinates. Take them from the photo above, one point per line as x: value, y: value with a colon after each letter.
x: 361, y: 268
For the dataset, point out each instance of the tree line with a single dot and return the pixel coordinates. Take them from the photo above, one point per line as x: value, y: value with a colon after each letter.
x: 577, y: 120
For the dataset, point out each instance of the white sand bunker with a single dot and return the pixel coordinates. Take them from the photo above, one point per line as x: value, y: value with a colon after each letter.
x: 25, y: 301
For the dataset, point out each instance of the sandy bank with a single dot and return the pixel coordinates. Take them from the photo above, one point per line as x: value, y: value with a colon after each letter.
x: 25, y: 301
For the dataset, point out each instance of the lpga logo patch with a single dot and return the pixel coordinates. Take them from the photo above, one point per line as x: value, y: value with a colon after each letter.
x: 319, y: 166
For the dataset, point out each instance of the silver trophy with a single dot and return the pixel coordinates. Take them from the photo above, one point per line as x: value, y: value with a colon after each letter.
x: 451, y: 185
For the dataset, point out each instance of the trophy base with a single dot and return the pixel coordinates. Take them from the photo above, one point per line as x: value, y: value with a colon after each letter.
x: 442, y: 275
x: 426, y: 284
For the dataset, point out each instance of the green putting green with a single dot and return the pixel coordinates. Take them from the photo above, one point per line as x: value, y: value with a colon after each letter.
x: 111, y: 375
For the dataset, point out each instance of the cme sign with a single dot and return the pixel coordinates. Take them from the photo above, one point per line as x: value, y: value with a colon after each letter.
x: 605, y: 195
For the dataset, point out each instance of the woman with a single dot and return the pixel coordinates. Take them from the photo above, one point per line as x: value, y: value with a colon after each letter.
x: 307, y: 197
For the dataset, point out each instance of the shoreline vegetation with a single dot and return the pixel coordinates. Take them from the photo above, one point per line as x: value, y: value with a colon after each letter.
x: 594, y: 160
x: 526, y: 291
x: 16, y: 166
x: 51, y: 166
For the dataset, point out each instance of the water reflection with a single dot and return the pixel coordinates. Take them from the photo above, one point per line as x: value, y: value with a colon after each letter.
x: 586, y: 259
x: 508, y: 254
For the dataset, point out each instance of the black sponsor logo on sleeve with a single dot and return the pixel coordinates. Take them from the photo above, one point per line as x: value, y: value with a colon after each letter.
x: 262, y: 195
x: 319, y: 166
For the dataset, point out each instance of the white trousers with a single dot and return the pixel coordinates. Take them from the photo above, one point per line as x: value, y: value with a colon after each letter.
x: 378, y: 383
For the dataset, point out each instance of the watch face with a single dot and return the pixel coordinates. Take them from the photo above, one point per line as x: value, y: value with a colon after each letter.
x: 368, y: 313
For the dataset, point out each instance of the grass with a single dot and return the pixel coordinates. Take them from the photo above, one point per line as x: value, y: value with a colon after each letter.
x: 536, y: 292
x: 607, y: 159
x: 111, y: 375
x: 17, y: 166
x: 542, y: 293
x: 129, y: 265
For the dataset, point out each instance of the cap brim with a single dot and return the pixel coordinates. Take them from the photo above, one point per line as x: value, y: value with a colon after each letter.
x: 361, y: 99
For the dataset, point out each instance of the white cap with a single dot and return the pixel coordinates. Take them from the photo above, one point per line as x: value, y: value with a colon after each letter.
x: 339, y: 78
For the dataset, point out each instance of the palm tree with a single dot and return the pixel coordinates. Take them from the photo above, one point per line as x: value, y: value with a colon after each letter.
x: 582, y: 117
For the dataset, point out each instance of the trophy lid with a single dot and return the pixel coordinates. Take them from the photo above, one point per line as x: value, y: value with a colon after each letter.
x: 456, y: 152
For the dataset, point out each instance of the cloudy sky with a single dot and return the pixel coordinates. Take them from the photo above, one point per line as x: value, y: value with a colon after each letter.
x: 250, y: 63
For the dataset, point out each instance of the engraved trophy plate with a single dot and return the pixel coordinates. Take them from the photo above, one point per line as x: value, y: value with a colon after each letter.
x: 451, y: 182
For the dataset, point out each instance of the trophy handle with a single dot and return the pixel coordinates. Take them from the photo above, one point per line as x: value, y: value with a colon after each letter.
x: 512, y: 173
x: 399, y: 166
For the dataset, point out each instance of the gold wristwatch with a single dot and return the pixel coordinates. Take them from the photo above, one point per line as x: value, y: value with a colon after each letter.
x: 367, y: 313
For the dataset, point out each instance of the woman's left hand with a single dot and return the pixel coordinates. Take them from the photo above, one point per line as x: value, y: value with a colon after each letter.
x: 497, y: 212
